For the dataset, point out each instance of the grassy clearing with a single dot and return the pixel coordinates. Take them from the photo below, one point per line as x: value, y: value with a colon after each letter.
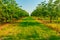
x: 28, y: 29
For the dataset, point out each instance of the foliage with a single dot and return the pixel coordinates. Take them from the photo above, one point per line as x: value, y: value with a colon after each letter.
x: 9, y: 11
x: 50, y: 10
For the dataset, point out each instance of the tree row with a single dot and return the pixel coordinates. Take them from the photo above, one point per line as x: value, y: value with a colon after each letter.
x: 10, y: 11
x: 50, y: 9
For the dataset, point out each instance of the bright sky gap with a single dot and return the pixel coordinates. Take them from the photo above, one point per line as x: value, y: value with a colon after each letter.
x: 29, y: 5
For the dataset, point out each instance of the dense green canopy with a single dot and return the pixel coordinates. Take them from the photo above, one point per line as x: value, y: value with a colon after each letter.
x: 50, y: 9
x: 9, y: 10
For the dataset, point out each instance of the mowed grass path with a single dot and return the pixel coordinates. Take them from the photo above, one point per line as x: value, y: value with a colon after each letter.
x: 28, y: 29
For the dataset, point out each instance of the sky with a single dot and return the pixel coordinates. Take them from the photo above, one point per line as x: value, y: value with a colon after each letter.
x: 28, y: 5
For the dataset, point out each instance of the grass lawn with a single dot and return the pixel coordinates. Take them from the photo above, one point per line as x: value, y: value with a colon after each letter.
x: 28, y: 29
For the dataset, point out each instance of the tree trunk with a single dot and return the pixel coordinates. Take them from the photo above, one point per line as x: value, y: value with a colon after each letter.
x: 50, y: 19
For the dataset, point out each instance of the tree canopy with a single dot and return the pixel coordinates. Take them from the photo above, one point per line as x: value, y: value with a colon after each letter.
x: 50, y: 9
x: 10, y: 10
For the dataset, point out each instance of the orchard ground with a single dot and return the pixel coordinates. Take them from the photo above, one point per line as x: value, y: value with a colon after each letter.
x: 30, y: 28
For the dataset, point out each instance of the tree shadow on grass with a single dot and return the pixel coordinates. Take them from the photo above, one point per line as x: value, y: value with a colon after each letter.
x: 26, y: 24
x: 54, y: 37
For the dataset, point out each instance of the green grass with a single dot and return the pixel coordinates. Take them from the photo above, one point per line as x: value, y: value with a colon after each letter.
x: 28, y: 29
